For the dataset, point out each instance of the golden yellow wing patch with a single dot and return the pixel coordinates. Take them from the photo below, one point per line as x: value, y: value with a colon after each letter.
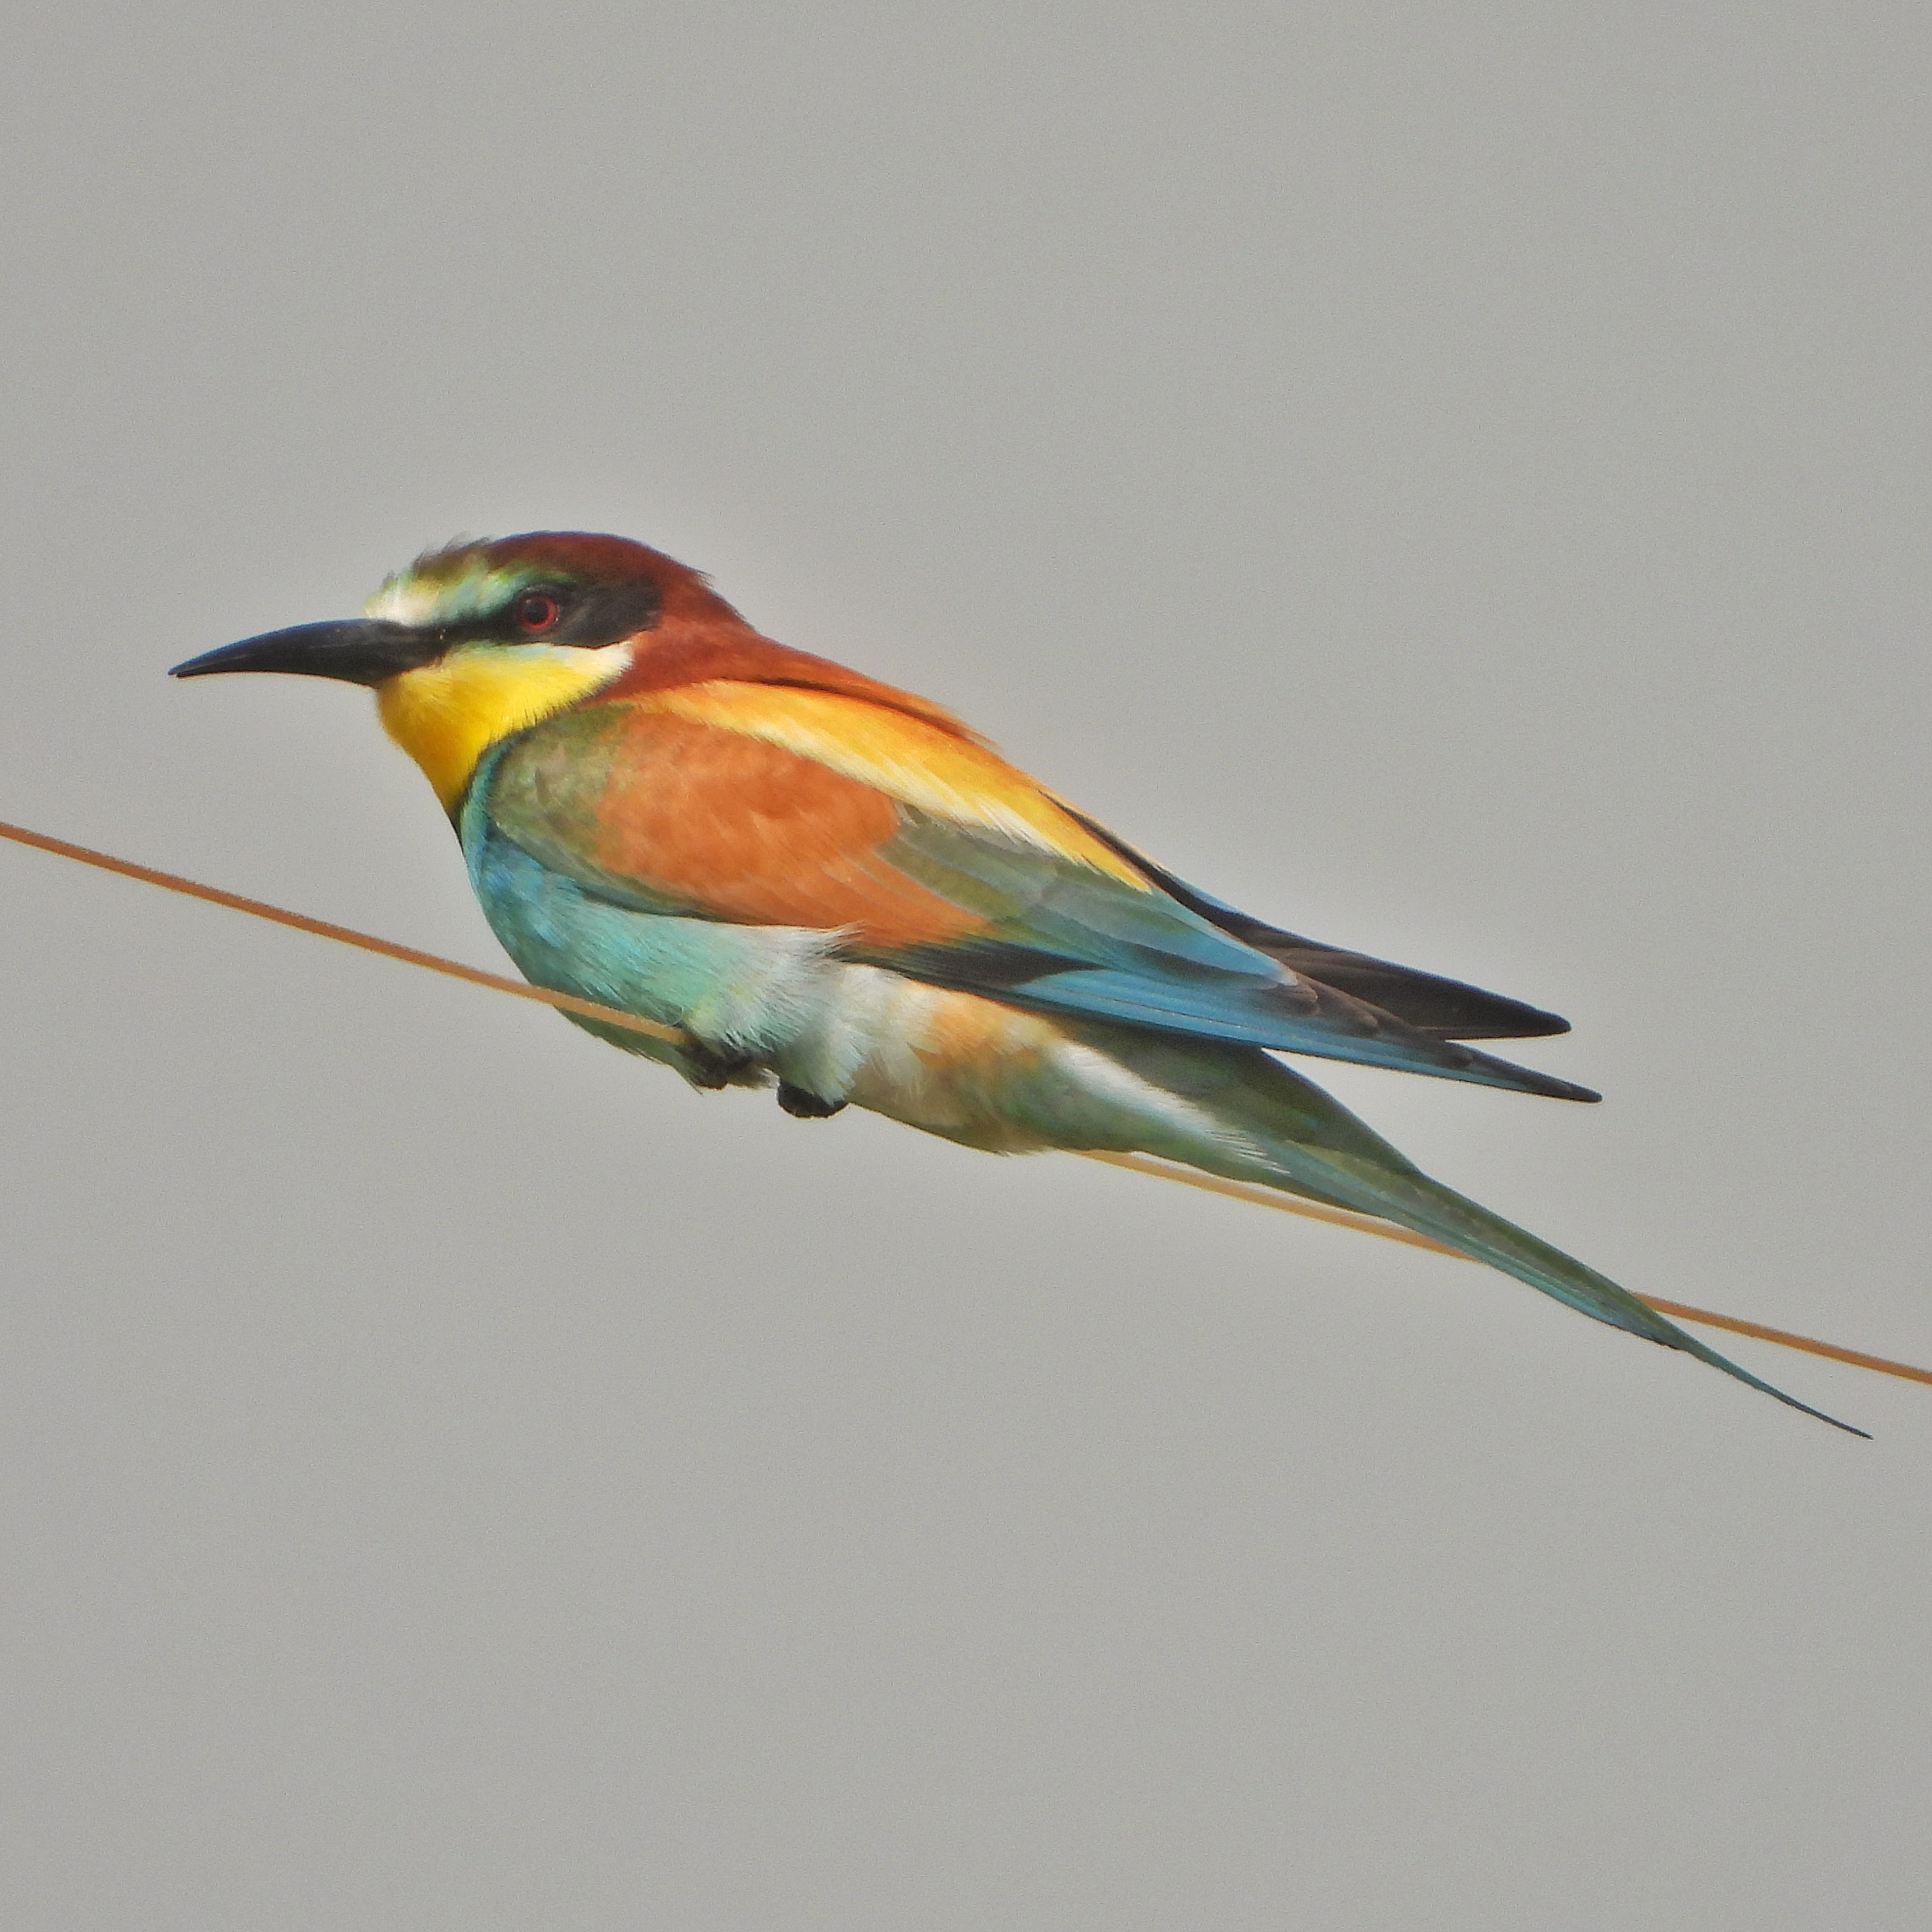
x: 906, y: 758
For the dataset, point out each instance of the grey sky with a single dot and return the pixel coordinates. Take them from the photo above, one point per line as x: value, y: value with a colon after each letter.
x: 1452, y: 479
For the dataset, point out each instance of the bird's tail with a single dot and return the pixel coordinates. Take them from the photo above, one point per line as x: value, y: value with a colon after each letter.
x: 1238, y: 1113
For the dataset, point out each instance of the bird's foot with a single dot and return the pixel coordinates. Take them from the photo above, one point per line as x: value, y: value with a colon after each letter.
x: 802, y: 1105
x: 710, y: 1069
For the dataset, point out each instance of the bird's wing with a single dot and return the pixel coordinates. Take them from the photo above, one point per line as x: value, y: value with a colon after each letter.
x: 772, y: 805
x: 1449, y: 1009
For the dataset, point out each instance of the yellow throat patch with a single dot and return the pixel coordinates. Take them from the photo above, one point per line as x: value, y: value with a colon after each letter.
x: 447, y: 714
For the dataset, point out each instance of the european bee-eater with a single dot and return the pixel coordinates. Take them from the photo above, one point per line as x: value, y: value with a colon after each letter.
x: 836, y: 888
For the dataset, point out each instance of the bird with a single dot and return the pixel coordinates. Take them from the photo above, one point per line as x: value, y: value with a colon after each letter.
x: 834, y: 889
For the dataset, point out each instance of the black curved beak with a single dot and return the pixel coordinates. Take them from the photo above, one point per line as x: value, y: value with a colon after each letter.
x: 359, y: 650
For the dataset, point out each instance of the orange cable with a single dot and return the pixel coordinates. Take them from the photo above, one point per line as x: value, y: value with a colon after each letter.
x: 173, y: 882
x: 1140, y: 1163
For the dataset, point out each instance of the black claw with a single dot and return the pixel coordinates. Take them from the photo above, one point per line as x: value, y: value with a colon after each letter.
x: 802, y: 1106
x: 710, y: 1069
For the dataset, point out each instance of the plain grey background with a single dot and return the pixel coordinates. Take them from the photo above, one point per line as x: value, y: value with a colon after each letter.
x: 1451, y: 479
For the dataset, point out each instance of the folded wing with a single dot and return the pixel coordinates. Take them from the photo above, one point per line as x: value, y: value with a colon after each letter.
x: 931, y: 856
x: 1449, y: 1009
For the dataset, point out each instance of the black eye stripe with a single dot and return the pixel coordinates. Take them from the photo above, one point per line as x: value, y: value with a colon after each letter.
x: 588, y: 616
x: 602, y: 613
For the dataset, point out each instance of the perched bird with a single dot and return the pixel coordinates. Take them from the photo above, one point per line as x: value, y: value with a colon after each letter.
x: 836, y: 888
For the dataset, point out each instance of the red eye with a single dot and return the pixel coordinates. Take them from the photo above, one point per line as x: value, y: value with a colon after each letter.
x: 535, y: 610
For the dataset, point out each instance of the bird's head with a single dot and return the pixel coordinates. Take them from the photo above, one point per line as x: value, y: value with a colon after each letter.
x: 478, y: 639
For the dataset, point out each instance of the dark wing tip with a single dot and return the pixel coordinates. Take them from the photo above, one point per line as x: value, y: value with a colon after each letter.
x: 1568, y: 1090
x: 1527, y: 1080
x: 1427, y: 1003
x: 1534, y: 1023
x: 1428, y: 1052
x: 1449, y: 1009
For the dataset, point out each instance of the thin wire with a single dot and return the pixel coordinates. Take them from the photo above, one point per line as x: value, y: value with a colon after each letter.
x: 347, y: 935
x: 1140, y: 1163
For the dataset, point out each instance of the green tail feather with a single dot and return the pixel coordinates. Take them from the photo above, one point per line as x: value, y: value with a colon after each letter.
x: 1429, y: 1208
x: 1301, y: 1140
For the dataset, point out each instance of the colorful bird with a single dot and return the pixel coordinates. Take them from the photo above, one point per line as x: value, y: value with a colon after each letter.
x: 836, y: 888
